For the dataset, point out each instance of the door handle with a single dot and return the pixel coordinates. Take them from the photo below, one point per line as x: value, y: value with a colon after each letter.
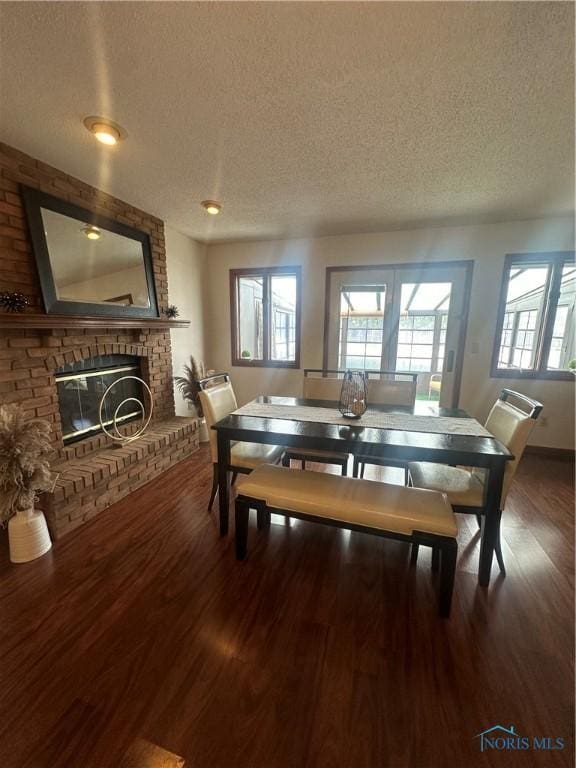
x: 450, y: 362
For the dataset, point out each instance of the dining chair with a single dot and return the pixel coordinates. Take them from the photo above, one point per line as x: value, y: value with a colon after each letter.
x: 390, y: 390
x: 325, y: 387
x: 465, y: 486
x: 218, y: 401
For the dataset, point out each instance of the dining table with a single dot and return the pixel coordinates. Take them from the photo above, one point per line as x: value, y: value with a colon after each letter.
x: 424, y: 432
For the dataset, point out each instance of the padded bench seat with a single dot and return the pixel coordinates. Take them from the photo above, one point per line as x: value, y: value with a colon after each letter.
x: 409, y: 514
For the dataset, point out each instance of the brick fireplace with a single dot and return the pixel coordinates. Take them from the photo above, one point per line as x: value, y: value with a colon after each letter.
x: 35, y: 348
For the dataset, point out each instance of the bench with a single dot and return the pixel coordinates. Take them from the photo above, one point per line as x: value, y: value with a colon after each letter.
x: 391, y: 511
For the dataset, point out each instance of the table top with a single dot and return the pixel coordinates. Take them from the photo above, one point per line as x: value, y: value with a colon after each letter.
x: 369, y: 441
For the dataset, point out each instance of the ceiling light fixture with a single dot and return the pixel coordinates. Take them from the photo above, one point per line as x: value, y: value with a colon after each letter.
x: 91, y: 232
x: 211, y: 206
x: 106, y: 131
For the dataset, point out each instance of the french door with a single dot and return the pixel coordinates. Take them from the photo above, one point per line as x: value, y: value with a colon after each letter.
x: 409, y: 319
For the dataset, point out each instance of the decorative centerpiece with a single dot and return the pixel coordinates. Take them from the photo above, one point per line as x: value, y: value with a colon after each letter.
x: 354, y: 394
x: 24, y: 472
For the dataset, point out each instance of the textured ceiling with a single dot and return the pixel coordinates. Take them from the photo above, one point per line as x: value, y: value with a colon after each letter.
x: 301, y: 118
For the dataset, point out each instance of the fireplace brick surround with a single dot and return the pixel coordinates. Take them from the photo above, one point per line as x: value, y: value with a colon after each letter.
x: 29, y: 358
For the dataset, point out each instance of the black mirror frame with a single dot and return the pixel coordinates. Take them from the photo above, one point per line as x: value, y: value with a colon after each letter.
x: 34, y: 200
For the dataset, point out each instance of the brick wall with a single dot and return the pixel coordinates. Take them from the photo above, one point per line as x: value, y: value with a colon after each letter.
x: 28, y: 359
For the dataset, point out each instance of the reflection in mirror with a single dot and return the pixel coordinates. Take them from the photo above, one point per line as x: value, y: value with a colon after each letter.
x: 94, y: 265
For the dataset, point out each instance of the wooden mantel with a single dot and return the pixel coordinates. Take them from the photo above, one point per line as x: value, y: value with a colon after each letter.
x: 23, y: 321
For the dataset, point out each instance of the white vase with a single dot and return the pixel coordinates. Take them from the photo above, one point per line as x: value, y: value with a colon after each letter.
x: 204, y: 435
x: 28, y: 536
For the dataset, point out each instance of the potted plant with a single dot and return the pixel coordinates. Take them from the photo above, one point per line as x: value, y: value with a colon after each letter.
x: 572, y: 366
x: 190, y: 390
x: 24, y: 472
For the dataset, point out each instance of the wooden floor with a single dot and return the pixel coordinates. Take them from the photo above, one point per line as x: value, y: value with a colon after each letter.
x: 139, y: 641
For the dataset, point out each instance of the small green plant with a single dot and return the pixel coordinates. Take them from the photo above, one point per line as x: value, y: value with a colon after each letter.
x: 572, y: 365
x: 246, y: 354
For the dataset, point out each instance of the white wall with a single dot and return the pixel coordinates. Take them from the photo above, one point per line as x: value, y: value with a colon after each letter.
x: 185, y: 262
x: 487, y: 245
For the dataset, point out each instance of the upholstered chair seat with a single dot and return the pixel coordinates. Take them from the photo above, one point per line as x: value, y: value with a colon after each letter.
x: 251, y: 455
x: 463, y: 487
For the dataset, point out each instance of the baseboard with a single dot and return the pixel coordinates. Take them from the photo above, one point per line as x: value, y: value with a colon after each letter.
x: 566, y: 454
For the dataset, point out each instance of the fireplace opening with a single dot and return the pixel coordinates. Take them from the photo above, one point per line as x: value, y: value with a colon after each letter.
x: 81, y: 386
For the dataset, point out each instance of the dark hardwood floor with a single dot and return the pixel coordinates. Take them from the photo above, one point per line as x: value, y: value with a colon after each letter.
x: 140, y: 642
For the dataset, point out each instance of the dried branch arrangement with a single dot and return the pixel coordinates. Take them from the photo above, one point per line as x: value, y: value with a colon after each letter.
x: 24, y: 466
x: 188, y: 384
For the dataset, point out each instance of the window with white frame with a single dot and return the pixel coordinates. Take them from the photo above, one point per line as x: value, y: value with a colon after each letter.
x: 422, y: 327
x: 361, y: 327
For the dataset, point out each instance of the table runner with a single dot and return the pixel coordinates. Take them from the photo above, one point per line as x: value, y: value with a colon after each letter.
x: 446, y: 425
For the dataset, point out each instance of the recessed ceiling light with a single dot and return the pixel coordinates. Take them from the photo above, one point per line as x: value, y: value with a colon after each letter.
x: 211, y: 206
x: 91, y: 232
x: 106, y: 131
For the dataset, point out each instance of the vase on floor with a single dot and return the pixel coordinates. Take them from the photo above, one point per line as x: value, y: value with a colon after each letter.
x: 28, y: 536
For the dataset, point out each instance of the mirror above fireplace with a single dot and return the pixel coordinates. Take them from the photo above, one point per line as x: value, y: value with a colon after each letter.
x: 89, y: 264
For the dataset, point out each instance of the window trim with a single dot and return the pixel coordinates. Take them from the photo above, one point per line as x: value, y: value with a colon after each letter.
x: 556, y: 260
x: 266, y: 273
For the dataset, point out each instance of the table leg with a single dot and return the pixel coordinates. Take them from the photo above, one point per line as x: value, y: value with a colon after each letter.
x: 223, y: 480
x: 490, y: 522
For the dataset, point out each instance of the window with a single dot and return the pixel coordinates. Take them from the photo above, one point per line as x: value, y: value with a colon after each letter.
x: 535, y: 335
x: 361, y: 327
x: 266, y: 317
x: 422, y: 327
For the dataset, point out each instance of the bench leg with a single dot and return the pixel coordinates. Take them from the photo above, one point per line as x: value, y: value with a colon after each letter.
x: 435, y: 559
x: 447, y: 573
x: 345, y: 468
x: 414, y: 554
x: 355, y: 467
x: 362, y: 468
x: 242, y: 513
